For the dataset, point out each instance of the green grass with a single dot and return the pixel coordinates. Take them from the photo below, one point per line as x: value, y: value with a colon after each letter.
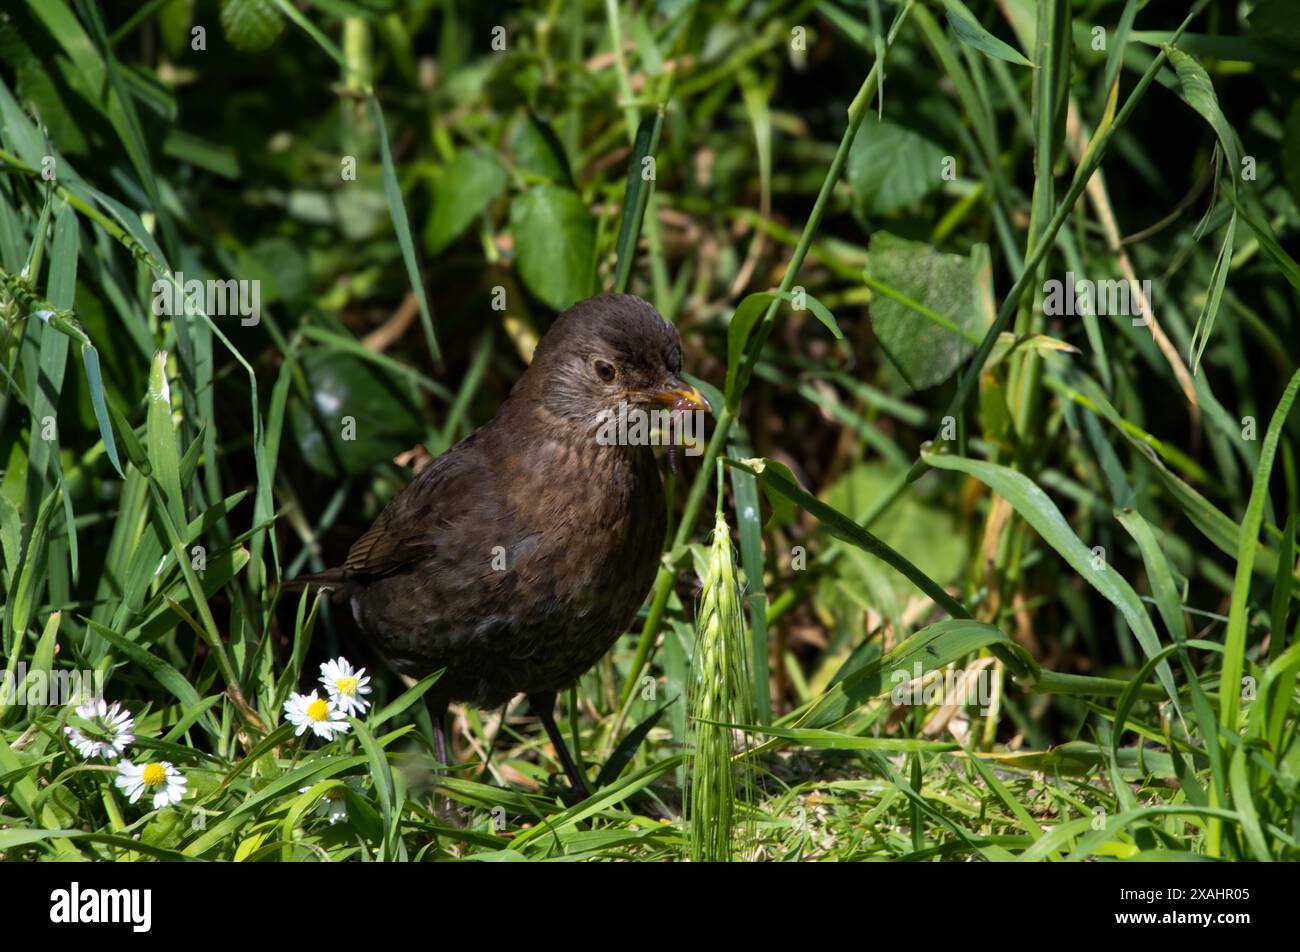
x: 853, y: 212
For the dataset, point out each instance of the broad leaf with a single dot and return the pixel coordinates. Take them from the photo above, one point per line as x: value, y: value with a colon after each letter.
x: 469, y: 182
x: 927, y: 306
x: 891, y: 167
x: 555, y: 241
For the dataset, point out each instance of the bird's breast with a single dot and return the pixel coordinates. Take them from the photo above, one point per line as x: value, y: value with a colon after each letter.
x: 595, y: 518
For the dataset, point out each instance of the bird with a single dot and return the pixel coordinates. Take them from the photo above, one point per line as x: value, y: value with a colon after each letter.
x: 514, y: 560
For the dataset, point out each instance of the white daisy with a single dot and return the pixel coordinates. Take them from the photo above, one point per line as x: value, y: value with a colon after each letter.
x: 309, y: 711
x: 332, y: 805
x: 161, y: 780
x: 345, y: 686
x: 112, y: 730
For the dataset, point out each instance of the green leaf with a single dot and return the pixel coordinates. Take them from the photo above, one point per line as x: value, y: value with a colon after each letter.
x: 31, y: 577
x: 970, y: 32
x: 250, y: 25
x: 1036, y: 508
x: 555, y: 244
x: 931, y: 308
x: 1198, y: 91
x: 745, y: 319
x: 771, y: 475
x: 163, y: 672
x: 381, y: 772
x: 402, y: 227
x: 931, y: 648
x: 1234, y: 642
x: 359, y: 414
x: 538, y: 151
x: 891, y: 167
x: 749, y: 527
x: 819, y: 739
x: 405, y: 700
x: 469, y: 182
x: 164, y: 456
x: 636, y: 195
x: 1213, y: 296
x: 1280, y: 604
x: 627, y: 747
x: 926, y: 533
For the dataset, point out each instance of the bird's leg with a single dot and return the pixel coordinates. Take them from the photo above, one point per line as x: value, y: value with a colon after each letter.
x: 543, y: 704
x: 437, y: 704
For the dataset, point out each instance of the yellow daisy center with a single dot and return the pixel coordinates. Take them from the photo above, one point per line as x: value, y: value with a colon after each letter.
x: 153, y: 775
x: 347, y: 685
x: 318, y: 710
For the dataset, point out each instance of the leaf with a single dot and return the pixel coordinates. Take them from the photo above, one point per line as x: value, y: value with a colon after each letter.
x: 1036, y: 508
x: 31, y: 577
x: 627, y: 747
x: 402, y: 227
x: 469, y: 182
x: 927, y: 534
x: 1198, y: 91
x: 139, y: 656
x: 1213, y: 296
x: 381, y: 772
x: 599, y: 801
x: 1234, y: 640
x: 555, y: 242
x: 537, y: 151
x: 250, y: 25
x: 1267, y: 240
x: 750, y: 529
x: 771, y: 475
x: 745, y: 319
x: 164, y: 457
x: 1280, y: 605
x: 970, y: 32
x: 359, y: 413
x: 636, y: 195
x: 1118, y: 43
x: 891, y: 167
x: 931, y: 309
x: 405, y: 700
x: 929, y: 649
x: 819, y: 739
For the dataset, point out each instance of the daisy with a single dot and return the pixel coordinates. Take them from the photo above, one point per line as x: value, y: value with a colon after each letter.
x: 308, y: 710
x: 345, y: 686
x: 332, y: 805
x: 113, y: 730
x: 161, y: 780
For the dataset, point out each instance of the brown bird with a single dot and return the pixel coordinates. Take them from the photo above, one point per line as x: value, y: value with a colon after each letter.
x: 516, y: 558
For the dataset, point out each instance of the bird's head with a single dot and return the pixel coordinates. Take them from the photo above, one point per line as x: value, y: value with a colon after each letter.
x: 606, y: 353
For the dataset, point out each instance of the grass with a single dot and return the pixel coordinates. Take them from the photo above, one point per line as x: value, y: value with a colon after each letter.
x: 853, y: 215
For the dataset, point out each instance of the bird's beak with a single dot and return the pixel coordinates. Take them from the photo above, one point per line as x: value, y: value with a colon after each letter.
x: 678, y: 393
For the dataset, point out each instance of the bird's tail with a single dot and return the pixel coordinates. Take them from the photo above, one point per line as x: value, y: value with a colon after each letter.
x: 330, y: 578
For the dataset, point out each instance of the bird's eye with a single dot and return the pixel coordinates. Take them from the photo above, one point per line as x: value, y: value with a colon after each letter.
x: 604, y: 369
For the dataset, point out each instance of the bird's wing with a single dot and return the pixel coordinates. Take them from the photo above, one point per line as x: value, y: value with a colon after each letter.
x: 409, y: 530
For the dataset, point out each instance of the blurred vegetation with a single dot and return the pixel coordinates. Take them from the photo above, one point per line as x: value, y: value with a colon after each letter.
x: 1093, y: 512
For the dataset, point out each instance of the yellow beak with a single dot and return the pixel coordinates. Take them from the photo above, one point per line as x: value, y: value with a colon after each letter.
x: 680, y: 394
